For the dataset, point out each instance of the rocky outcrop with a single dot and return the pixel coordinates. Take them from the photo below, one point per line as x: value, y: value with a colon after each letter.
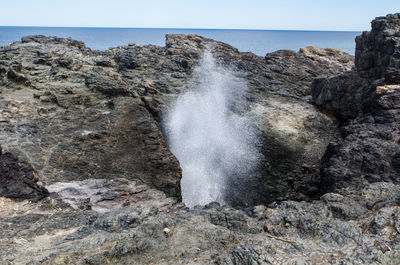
x: 18, y: 180
x: 91, y: 124
x: 64, y: 120
x: 377, y: 51
x: 75, y: 114
x: 366, y: 100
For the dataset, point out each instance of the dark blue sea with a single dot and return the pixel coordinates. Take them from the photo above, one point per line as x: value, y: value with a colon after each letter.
x: 259, y: 42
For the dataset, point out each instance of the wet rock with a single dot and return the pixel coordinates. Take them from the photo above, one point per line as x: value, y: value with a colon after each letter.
x: 77, y: 120
x: 122, y: 216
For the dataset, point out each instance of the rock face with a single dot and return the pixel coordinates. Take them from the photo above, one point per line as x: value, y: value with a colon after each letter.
x: 103, y: 195
x: 75, y: 114
x: 60, y: 115
x: 367, y: 101
x: 377, y: 51
x: 18, y: 180
x: 357, y: 228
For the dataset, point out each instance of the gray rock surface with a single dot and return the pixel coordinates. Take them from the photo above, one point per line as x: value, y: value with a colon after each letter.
x: 18, y: 179
x: 74, y: 113
x: 342, y: 228
x: 377, y: 51
x: 90, y: 123
x: 367, y: 102
x: 69, y: 126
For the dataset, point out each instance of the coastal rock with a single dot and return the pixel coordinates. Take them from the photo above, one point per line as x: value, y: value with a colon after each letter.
x: 360, y: 228
x: 75, y: 114
x: 92, y: 127
x: 308, y: 63
x: 293, y: 134
x: 67, y: 125
x: 366, y: 100
x: 18, y: 180
x: 377, y: 51
x: 344, y: 95
x: 102, y: 195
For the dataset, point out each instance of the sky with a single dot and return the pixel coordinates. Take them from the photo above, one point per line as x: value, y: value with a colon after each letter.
x: 351, y: 15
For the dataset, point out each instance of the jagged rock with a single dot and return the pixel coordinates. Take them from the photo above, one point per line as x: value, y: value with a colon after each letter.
x: 367, y: 101
x: 82, y: 114
x: 341, y: 94
x: 69, y: 128
x: 355, y: 227
x: 277, y: 104
x: 306, y: 64
x: 378, y: 51
x: 76, y: 129
x: 18, y: 180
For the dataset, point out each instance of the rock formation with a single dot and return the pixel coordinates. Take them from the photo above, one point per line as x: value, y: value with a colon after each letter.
x: 73, y: 120
x: 75, y: 114
x: 18, y: 180
x: 367, y: 101
x: 91, y: 125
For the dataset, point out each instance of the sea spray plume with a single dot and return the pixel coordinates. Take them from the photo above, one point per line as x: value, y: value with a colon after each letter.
x: 211, y: 143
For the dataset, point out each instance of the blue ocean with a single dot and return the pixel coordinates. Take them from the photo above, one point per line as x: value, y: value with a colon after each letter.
x: 259, y: 42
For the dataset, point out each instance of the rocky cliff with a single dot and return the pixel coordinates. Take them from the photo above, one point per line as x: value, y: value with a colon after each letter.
x: 89, y: 124
x: 366, y: 100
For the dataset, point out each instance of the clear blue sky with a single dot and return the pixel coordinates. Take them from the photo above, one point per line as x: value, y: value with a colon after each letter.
x: 235, y: 14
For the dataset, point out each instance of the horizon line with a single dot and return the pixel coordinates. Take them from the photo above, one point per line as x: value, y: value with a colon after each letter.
x: 173, y: 28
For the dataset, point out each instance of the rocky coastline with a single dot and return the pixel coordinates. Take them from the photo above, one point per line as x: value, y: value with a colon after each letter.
x: 87, y: 177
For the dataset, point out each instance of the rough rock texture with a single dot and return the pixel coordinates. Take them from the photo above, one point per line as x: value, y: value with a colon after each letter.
x: 342, y: 228
x: 102, y: 195
x: 91, y: 124
x: 74, y: 113
x: 367, y: 102
x: 377, y: 51
x: 18, y: 180
x: 65, y: 122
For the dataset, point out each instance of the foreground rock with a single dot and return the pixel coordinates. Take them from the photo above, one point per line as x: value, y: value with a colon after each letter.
x: 103, y: 195
x: 18, y: 180
x: 348, y: 227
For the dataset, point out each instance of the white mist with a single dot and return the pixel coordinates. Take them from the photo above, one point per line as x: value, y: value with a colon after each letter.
x: 211, y: 143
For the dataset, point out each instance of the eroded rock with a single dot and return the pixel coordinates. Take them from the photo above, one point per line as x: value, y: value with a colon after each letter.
x: 80, y: 114
x: 18, y: 180
x: 316, y: 232
x: 366, y: 100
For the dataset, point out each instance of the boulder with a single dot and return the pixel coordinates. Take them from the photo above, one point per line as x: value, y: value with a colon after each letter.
x: 18, y: 180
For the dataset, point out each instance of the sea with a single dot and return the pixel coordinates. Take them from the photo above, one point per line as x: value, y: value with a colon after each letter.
x: 259, y: 42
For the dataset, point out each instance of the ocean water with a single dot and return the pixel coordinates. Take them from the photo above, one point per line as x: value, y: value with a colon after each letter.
x: 259, y: 42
